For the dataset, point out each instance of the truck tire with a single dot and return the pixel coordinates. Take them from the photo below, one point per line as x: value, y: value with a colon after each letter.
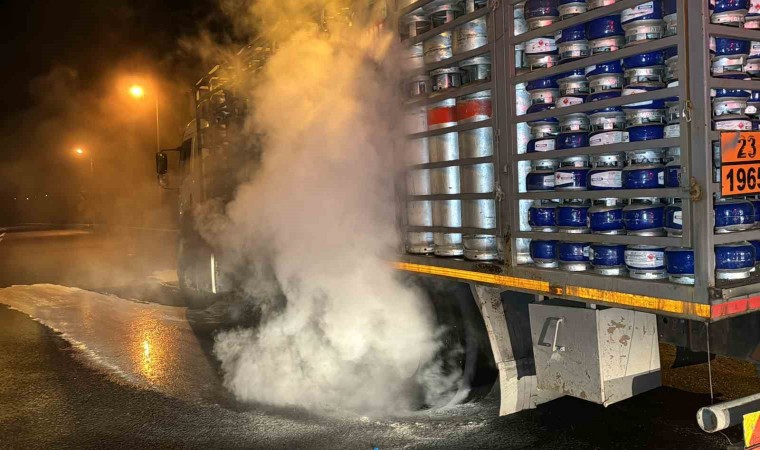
x: 466, y: 347
x: 188, y: 285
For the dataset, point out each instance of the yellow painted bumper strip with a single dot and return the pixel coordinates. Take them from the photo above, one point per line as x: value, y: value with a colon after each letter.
x: 640, y: 301
x: 613, y: 297
x: 501, y: 280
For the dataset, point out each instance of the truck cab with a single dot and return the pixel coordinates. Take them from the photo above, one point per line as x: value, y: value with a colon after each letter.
x: 197, y: 266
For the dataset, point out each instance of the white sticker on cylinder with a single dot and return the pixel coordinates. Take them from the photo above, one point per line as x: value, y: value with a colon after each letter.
x: 545, y: 145
x: 608, y: 137
x: 540, y: 45
x: 735, y: 125
x: 569, y: 101
x: 564, y: 179
x: 636, y: 12
x: 673, y: 131
x: 611, y: 179
x: 678, y: 217
x: 644, y: 259
x: 727, y: 18
x: 754, y: 50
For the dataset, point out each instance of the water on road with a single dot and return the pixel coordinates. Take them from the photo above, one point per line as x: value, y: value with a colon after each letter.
x: 115, y: 359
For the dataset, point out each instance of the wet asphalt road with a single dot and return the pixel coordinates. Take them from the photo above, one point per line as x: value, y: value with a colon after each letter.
x: 52, y: 396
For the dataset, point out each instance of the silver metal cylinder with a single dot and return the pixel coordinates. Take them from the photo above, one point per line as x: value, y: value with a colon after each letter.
x: 445, y: 180
x: 414, y: 57
x: 438, y: 48
x: 417, y: 152
x: 446, y: 78
x: 480, y: 214
x: 478, y: 178
x: 414, y: 25
x: 476, y: 143
x: 444, y: 147
x: 419, y: 85
x: 442, y: 11
x: 420, y: 214
x: 475, y: 69
x: 472, y: 35
x: 415, y: 120
x: 448, y: 213
x: 442, y: 114
x: 418, y: 182
x: 474, y: 107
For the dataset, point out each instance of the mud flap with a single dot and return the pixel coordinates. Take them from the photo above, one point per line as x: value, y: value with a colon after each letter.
x: 686, y: 357
x: 512, y: 351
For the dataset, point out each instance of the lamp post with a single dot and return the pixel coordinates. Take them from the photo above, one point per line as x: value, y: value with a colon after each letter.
x: 81, y: 152
x: 88, y: 199
x: 138, y: 92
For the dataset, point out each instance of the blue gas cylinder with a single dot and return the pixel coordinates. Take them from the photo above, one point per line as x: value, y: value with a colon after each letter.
x: 544, y: 253
x: 679, y: 264
x: 608, y: 259
x: 574, y: 256
x: 605, y: 34
x: 542, y: 216
x: 734, y: 261
x: 572, y: 216
x: 572, y: 43
x: 645, y: 262
x: 674, y: 219
x: 644, y: 217
x: 733, y: 215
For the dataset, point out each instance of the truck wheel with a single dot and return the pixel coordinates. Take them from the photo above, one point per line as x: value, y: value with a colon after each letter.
x: 194, y: 298
x: 466, y: 348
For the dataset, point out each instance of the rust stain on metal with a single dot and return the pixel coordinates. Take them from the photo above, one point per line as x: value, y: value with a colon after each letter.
x: 614, y: 326
x: 489, y: 268
x: 695, y: 190
x: 624, y: 339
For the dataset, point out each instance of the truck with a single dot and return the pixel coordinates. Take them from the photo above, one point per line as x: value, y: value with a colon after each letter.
x: 583, y: 173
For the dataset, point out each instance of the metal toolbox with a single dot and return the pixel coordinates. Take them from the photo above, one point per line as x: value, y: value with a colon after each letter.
x: 600, y: 355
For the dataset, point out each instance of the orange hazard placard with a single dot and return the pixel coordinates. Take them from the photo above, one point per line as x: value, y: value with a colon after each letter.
x: 740, y: 163
x: 752, y: 430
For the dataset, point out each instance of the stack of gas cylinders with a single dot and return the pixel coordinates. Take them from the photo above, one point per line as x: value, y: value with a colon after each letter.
x: 428, y: 48
x: 647, y: 169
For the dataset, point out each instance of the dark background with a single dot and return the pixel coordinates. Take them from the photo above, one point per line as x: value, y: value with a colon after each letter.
x: 68, y: 66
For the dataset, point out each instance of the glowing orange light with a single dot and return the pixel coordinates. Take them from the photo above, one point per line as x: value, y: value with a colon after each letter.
x: 137, y: 91
x: 79, y: 151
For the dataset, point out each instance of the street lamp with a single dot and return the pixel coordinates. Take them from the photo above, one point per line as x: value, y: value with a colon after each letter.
x: 138, y: 92
x: 79, y: 151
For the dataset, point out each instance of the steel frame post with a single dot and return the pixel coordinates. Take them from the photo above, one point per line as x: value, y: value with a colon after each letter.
x: 697, y: 66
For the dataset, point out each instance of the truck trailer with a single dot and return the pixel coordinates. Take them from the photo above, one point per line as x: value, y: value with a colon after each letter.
x: 586, y: 171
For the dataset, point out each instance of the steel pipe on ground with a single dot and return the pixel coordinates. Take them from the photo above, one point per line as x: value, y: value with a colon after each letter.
x: 727, y: 414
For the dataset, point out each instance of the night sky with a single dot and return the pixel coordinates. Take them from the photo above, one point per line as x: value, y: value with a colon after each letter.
x: 91, y: 36
x: 62, y: 63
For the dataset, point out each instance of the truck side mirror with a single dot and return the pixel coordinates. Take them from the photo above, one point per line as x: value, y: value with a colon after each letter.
x: 162, y: 163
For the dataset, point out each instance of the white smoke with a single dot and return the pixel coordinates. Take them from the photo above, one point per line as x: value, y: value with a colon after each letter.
x: 316, y: 222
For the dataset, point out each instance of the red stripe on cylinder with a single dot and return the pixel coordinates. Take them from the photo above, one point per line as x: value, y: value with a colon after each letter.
x: 475, y: 107
x: 441, y: 115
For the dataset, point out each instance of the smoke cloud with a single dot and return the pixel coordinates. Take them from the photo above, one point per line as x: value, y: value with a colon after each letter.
x: 312, y: 233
